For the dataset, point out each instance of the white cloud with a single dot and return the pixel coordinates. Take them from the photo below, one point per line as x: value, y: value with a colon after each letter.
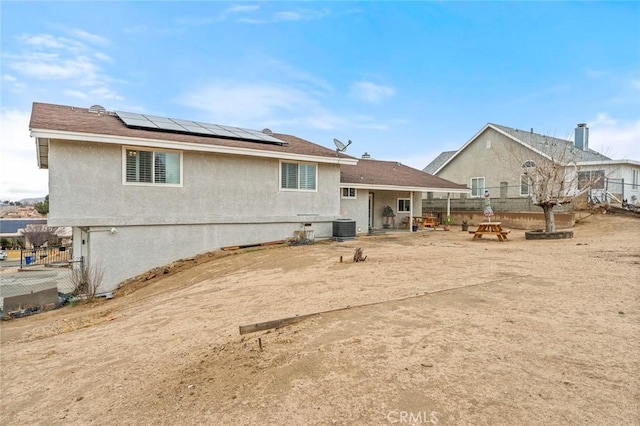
x: 75, y: 94
x: 52, y: 67
x: 19, y: 174
x: 286, y: 16
x: 49, y: 41
x: 74, y: 63
x: 278, y: 106
x: 227, y: 102
x: 12, y: 83
x: 242, y: 9
x: 371, y: 92
x: 617, y: 139
x: 89, y: 37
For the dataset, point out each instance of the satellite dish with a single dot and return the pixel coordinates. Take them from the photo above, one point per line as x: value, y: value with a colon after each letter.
x: 340, y: 147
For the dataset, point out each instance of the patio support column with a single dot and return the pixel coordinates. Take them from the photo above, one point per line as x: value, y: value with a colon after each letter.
x: 448, y: 204
x: 411, y: 213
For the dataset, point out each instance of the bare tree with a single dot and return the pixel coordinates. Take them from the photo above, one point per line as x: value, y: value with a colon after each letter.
x: 554, y: 177
x: 39, y: 234
x: 548, y: 180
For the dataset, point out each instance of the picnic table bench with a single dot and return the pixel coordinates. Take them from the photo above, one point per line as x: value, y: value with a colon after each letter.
x: 490, y: 228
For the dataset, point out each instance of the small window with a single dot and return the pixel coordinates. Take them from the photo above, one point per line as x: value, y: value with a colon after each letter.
x: 477, y: 187
x: 298, y: 176
x: 634, y: 179
x: 593, y: 179
x: 404, y: 205
x: 528, y: 164
x: 153, y: 167
x: 348, y: 193
x: 525, y: 188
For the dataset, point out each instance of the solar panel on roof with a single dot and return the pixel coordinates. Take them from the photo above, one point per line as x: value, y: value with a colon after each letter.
x: 169, y: 125
x: 194, y: 127
x: 198, y: 129
x: 122, y: 114
x: 156, y: 118
x: 139, y: 122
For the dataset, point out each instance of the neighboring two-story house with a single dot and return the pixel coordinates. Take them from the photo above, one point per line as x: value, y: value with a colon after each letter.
x: 142, y: 191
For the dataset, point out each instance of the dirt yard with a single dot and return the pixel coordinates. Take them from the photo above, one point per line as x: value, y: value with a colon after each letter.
x: 466, y: 333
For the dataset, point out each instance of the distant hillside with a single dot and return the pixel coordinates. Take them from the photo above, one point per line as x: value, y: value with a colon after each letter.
x: 31, y: 200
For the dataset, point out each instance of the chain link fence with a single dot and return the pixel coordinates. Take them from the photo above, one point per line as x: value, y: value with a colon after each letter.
x: 39, y: 279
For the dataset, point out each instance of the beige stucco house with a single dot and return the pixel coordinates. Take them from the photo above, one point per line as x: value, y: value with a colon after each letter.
x: 496, y: 157
x: 141, y: 191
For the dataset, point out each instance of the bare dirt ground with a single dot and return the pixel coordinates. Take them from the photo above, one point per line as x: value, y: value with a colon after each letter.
x: 482, y: 333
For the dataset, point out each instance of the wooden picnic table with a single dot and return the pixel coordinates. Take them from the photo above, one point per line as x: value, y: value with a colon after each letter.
x: 490, y: 228
x: 428, y: 221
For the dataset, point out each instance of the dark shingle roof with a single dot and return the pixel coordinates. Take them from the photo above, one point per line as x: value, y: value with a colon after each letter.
x: 80, y: 120
x: 391, y: 173
x: 433, y: 166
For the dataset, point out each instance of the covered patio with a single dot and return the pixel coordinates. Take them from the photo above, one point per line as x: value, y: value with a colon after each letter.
x: 373, y: 188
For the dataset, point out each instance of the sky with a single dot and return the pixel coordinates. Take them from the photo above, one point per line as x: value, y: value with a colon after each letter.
x: 403, y: 81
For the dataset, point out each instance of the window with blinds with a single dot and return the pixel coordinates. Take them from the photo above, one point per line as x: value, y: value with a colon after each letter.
x: 152, y: 167
x: 298, y: 176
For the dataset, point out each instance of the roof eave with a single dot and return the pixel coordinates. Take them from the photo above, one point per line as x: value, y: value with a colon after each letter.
x: 462, y: 148
x: 489, y: 125
x: 403, y: 188
x: 608, y: 162
x: 42, y: 152
x: 184, y: 146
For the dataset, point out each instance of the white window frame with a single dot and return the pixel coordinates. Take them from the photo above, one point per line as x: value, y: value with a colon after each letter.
x: 482, y: 188
x: 153, y: 159
x: 351, y: 193
x: 298, y: 189
x: 398, y: 205
x: 591, y: 179
x: 524, y: 178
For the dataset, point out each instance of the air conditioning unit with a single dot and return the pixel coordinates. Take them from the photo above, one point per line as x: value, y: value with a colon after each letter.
x: 344, y: 229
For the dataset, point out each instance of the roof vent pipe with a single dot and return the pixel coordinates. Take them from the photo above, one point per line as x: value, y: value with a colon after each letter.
x: 366, y: 156
x: 581, y: 139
